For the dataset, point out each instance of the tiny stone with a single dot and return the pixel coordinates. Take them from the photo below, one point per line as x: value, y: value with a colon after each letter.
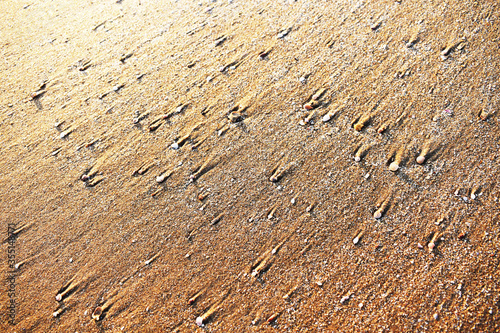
x: 70, y: 260
x: 302, y: 80
x: 420, y: 159
x: 367, y: 176
x: 174, y: 146
x: 436, y: 316
x: 360, y: 305
x: 377, y: 215
x: 199, y: 321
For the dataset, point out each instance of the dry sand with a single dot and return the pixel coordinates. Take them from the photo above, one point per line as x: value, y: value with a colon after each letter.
x: 127, y: 82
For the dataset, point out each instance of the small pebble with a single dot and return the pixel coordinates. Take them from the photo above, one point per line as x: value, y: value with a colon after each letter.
x: 436, y: 316
x: 344, y: 299
x: 302, y: 80
x: 420, y: 160
x: 175, y: 146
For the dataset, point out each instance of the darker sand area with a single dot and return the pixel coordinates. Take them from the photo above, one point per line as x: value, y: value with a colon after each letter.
x: 228, y: 163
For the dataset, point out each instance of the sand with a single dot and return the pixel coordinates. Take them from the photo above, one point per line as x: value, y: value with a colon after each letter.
x: 159, y: 171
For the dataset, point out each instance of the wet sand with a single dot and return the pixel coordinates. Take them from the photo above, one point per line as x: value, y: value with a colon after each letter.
x: 250, y: 166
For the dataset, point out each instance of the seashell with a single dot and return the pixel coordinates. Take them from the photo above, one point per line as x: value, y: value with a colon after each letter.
x: 96, y: 315
x: 394, y: 166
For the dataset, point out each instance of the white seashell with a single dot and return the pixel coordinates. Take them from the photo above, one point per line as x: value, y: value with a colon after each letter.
x: 394, y: 167
x: 420, y: 159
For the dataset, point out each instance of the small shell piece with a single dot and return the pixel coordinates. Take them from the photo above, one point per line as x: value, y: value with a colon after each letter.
x: 96, y: 315
x: 199, y: 321
x: 394, y: 166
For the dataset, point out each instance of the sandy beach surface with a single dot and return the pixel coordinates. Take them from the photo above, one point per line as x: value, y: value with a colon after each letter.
x: 250, y: 166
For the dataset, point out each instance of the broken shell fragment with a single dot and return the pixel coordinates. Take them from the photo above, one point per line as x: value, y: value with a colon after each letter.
x: 64, y: 134
x: 235, y: 117
x: 273, y: 318
x: 199, y: 321
x: 57, y: 312
x: 311, y: 105
x: 96, y: 315
x: 394, y: 166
